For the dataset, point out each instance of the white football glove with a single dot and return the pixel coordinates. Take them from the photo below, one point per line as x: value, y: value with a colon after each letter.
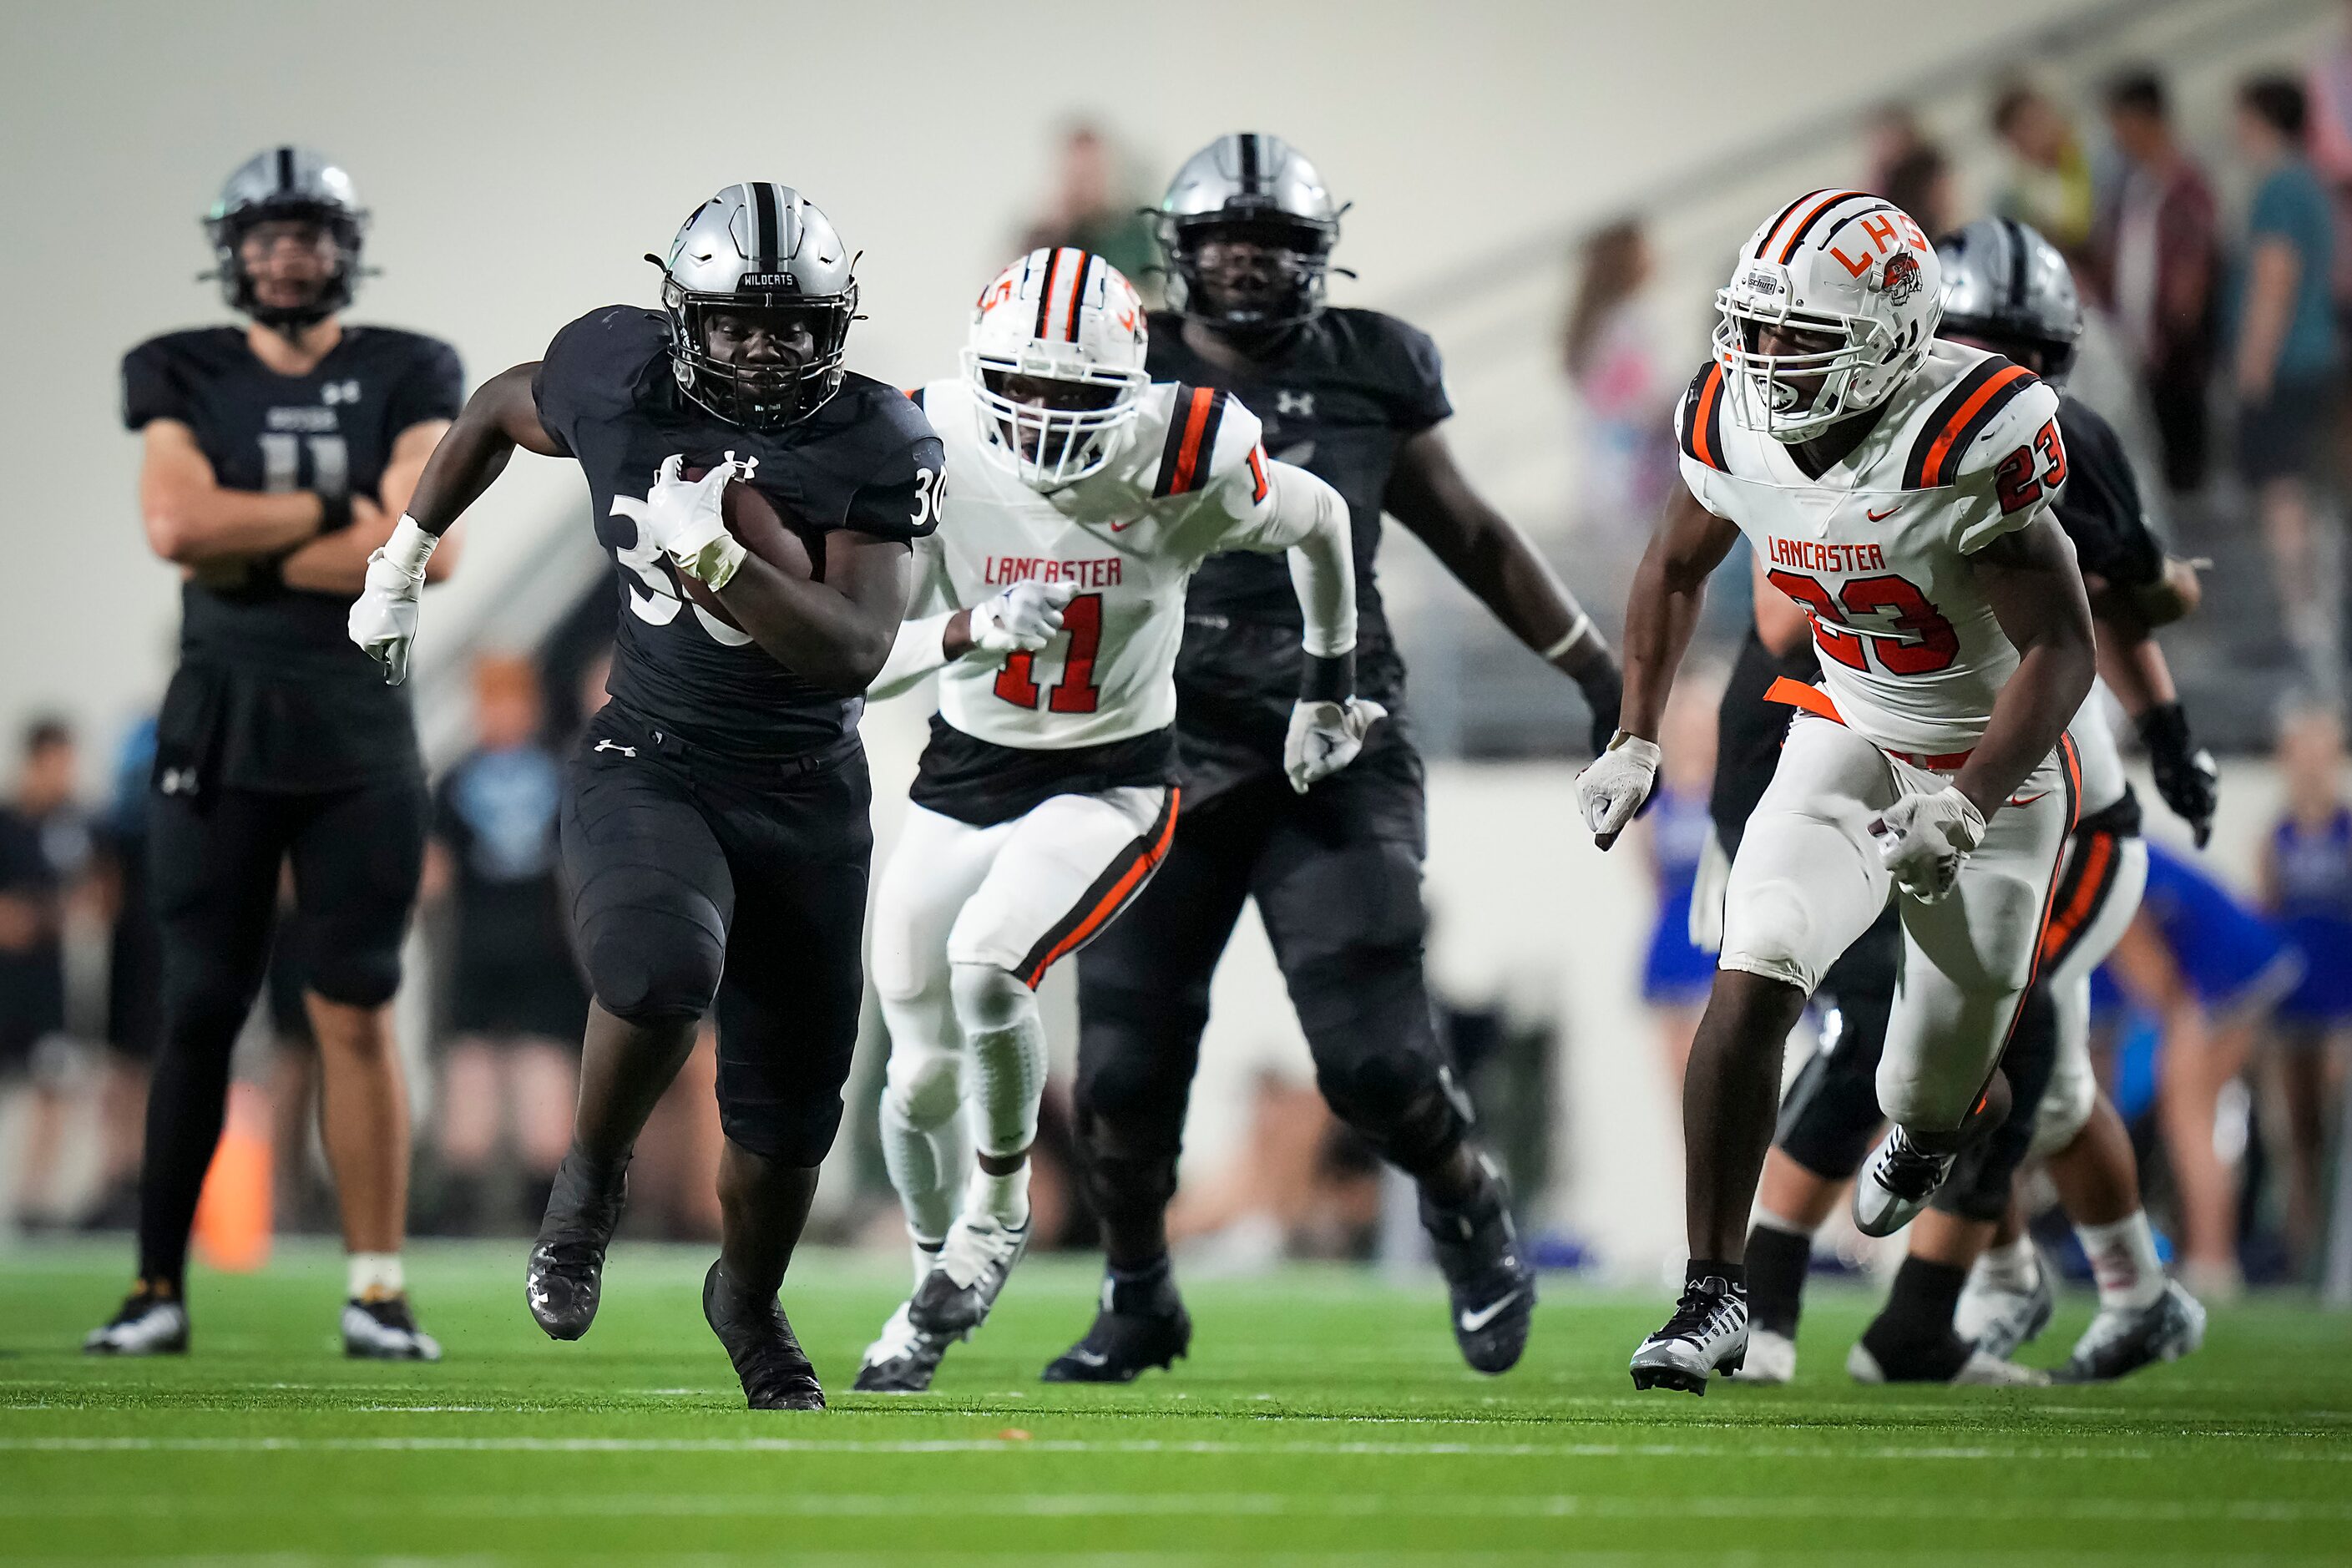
x: 686, y: 519
x: 1022, y: 619
x: 1924, y: 837
x: 1613, y: 785
x: 1325, y: 737
x: 382, y: 619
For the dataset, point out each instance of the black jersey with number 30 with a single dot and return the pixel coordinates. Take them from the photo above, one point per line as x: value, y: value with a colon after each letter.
x: 865, y: 461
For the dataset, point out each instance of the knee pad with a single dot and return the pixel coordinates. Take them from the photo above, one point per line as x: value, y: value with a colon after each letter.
x: 989, y: 998
x: 923, y: 1084
x: 671, y: 977
x: 1767, y: 929
x: 1006, y: 1042
x: 1135, y: 1075
x: 1128, y: 1180
x: 364, y: 976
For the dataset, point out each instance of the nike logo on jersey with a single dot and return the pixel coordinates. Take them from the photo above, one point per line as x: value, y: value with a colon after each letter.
x: 1883, y: 516
x: 1473, y: 1322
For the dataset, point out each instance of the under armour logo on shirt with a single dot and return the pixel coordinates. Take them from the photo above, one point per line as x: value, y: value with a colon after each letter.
x: 336, y: 391
x: 609, y: 745
x: 176, y: 780
x: 1302, y: 404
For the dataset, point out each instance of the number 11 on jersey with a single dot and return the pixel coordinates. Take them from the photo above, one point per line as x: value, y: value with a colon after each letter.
x: 1076, y: 692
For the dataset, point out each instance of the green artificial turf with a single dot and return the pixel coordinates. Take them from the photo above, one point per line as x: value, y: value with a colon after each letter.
x: 1323, y: 1418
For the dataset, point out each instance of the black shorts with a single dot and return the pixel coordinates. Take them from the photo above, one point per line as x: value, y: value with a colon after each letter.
x: 2280, y: 436
x: 32, y: 1005
x: 543, y: 998
x: 701, y: 880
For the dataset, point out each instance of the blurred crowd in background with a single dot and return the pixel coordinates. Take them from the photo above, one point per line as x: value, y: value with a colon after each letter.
x: 2223, y: 323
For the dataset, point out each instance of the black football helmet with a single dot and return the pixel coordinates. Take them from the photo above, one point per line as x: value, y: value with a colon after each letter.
x: 1256, y: 187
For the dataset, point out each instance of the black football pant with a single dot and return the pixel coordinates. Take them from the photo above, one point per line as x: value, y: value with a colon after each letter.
x: 698, y: 880
x: 214, y: 867
x: 1337, y: 877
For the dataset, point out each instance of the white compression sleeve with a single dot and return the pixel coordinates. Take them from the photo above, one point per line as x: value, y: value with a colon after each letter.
x: 1322, y: 561
x: 919, y: 649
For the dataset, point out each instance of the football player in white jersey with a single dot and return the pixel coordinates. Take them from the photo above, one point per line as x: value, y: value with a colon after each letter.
x: 1898, y: 489
x: 1080, y: 498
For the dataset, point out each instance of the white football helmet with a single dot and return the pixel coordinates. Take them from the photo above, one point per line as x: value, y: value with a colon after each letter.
x: 1842, y: 265
x: 1059, y: 314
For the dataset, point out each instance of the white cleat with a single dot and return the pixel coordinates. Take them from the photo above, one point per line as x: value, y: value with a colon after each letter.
x: 1707, y: 1335
x: 1979, y: 1371
x: 1896, y: 1184
x: 145, y: 1324
x: 1771, y: 1358
x: 955, y: 1298
x: 1999, y: 1320
x: 384, y: 1329
x: 2122, y: 1339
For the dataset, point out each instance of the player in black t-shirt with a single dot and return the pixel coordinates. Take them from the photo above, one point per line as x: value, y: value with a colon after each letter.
x: 1356, y: 397
x: 276, y: 455
x: 714, y: 820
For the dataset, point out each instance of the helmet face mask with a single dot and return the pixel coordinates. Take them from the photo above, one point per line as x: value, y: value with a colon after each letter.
x: 761, y: 295
x: 1248, y: 229
x: 1054, y: 364
x: 287, y: 234
x: 1849, y: 315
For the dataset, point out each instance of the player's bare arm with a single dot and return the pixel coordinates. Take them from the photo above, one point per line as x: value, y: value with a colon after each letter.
x: 193, y: 520
x: 835, y: 633
x: 1780, y: 624
x: 1660, y: 613
x: 337, y: 563
x: 1430, y: 495
x: 2036, y: 592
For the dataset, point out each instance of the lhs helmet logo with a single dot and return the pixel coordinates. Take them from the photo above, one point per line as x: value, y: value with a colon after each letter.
x: 1901, y: 280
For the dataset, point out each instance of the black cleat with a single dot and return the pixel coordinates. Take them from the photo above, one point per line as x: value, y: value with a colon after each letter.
x: 565, y: 1279
x: 149, y: 1323
x: 903, y: 1360
x: 1707, y: 1335
x: 1493, y: 1288
x: 1122, y: 1346
x: 385, y: 1330
x: 955, y: 1297
x: 758, y: 1341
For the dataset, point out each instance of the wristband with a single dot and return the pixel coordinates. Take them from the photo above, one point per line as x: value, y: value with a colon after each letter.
x: 1327, y: 678
x: 334, y: 512
x: 1575, y: 633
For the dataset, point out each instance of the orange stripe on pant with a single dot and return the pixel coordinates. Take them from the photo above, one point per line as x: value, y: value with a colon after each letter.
x: 1111, y: 903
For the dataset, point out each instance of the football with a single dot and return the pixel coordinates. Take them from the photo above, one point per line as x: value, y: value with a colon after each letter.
x: 753, y: 519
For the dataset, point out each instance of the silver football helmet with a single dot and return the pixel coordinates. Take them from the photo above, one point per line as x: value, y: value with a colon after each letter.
x: 764, y: 248
x: 1257, y: 187
x: 287, y: 184
x: 2007, y: 287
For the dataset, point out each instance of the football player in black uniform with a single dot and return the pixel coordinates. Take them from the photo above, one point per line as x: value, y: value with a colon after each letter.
x: 2006, y: 289
x: 1355, y: 397
x: 276, y: 456
x: 714, y: 823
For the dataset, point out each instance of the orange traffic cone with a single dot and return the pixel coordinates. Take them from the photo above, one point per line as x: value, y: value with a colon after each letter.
x: 233, y: 1221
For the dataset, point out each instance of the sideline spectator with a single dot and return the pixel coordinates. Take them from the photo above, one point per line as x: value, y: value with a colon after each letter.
x: 517, y: 1003
x: 135, y: 981
x: 2049, y: 178
x: 2285, y: 358
x: 2329, y: 88
x: 2158, y: 253
x: 1093, y: 206
x: 2306, y: 875
x: 1609, y: 348
x: 2211, y: 969
x: 45, y: 862
x: 1920, y: 182
x: 1893, y: 135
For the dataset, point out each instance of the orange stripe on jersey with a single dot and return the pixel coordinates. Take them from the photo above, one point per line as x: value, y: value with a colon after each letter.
x: 1188, y: 455
x: 1936, y: 469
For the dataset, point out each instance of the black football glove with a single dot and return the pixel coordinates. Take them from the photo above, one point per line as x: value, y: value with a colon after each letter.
x: 2185, y: 774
